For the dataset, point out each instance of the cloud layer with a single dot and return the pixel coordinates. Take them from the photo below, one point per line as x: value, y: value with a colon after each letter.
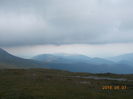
x: 100, y: 50
x: 33, y: 22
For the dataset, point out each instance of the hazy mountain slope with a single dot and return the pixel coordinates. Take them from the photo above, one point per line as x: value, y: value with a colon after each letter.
x: 61, y: 58
x: 123, y: 59
x: 92, y: 68
x: 100, y: 61
x: 8, y: 60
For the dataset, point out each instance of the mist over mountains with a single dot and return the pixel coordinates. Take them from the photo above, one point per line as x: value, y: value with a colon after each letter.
x: 71, y: 62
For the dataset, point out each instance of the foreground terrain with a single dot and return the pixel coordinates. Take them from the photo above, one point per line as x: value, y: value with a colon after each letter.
x: 55, y: 84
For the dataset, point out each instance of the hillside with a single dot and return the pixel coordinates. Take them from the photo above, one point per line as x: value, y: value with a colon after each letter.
x: 10, y: 61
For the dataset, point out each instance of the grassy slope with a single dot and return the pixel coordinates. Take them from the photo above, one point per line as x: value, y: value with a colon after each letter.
x: 54, y: 84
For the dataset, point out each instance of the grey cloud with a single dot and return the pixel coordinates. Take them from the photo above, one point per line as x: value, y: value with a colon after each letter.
x: 33, y: 22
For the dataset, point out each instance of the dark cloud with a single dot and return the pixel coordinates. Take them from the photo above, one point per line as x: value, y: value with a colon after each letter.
x: 33, y: 22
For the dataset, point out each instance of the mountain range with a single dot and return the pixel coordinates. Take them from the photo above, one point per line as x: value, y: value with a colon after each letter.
x: 76, y: 63
x: 81, y: 63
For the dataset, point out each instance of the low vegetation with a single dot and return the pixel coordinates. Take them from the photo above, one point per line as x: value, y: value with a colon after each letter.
x: 55, y: 84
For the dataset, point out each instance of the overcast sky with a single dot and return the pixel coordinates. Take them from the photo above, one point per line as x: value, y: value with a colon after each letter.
x: 89, y: 27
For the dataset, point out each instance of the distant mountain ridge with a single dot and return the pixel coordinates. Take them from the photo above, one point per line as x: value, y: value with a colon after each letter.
x: 61, y: 58
x: 80, y: 63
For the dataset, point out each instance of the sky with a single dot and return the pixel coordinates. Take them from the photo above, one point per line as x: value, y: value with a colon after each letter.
x: 97, y: 28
